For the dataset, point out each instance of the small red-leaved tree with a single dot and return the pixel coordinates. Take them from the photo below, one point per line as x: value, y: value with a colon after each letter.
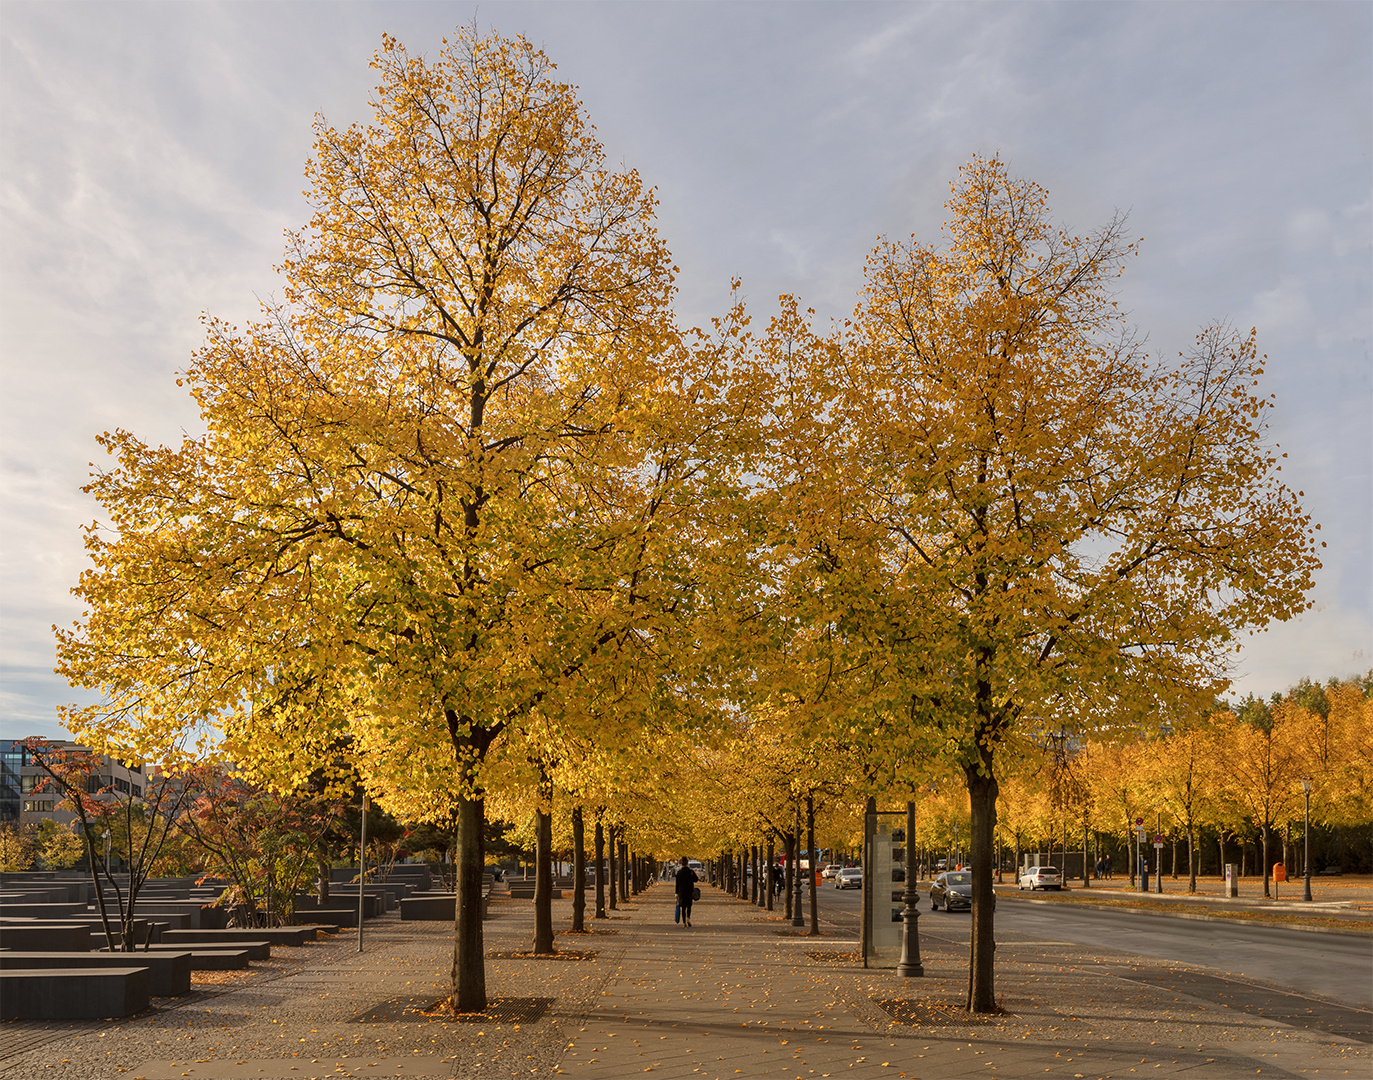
x: 262, y: 842
x: 135, y: 825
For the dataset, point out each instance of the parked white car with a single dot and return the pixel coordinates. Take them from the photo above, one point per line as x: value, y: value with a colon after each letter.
x: 1041, y: 877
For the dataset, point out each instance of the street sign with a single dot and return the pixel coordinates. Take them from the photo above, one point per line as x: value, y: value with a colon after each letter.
x: 1158, y: 839
x: 1139, y: 821
x: 1158, y: 845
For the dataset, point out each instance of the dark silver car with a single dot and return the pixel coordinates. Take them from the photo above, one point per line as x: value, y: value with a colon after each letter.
x: 952, y: 890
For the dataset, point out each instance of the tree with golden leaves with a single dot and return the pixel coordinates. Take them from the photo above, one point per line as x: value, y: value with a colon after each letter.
x: 1182, y: 770
x: 1016, y: 512
x: 454, y: 479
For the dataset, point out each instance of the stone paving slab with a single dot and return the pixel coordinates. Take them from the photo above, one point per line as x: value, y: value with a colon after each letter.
x: 737, y: 995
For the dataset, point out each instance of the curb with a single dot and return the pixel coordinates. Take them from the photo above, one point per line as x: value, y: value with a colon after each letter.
x: 1199, y: 917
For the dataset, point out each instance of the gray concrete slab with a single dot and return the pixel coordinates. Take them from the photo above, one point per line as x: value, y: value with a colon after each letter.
x: 429, y: 906
x: 278, y: 935
x: 256, y: 950
x: 73, y: 993
x: 75, y: 937
x: 170, y: 971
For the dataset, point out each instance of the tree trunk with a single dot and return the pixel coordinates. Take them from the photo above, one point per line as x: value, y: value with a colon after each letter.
x: 611, y: 865
x: 469, y: 963
x: 982, y: 792
x: 543, y: 870
x: 1086, y: 867
x: 624, y: 870
x: 578, y: 872
x: 321, y: 876
x: 810, y: 843
x: 789, y: 843
x: 1263, y: 855
x: 1191, y: 857
x: 772, y: 860
x: 1130, y: 849
x: 600, y: 871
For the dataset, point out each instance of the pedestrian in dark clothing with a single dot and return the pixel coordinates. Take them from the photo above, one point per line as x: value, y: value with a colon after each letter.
x: 686, y: 891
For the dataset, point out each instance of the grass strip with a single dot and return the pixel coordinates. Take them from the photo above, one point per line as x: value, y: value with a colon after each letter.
x: 1277, y: 918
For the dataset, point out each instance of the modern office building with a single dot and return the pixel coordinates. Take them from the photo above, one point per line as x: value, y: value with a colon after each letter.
x: 24, y: 797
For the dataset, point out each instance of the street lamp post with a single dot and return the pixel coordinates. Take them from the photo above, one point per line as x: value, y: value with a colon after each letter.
x: 797, y: 919
x: 909, y: 964
x: 1306, y: 840
x: 362, y: 870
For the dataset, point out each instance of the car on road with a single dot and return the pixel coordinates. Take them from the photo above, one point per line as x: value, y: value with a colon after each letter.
x: 831, y: 871
x: 951, y: 891
x: 851, y: 877
x: 1041, y: 877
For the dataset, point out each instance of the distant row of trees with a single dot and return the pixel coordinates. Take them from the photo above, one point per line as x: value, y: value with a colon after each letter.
x: 1217, y: 783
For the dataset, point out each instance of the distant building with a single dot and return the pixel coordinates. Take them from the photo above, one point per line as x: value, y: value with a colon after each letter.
x: 21, y: 777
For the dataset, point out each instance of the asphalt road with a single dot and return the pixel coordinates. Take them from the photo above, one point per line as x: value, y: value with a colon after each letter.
x: 1333, y: 966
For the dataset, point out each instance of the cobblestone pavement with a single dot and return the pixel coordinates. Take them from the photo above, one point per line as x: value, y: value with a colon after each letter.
x: 736, y: 995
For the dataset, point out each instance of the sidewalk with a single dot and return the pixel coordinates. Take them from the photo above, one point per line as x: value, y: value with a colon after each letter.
x: 737, y: 995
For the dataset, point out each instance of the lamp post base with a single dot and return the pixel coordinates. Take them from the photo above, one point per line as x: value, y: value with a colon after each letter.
x: 909, y: 965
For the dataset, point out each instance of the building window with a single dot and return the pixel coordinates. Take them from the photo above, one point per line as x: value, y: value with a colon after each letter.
x: 137, y: 790
x: 38, y: 806
x: 121, y: 785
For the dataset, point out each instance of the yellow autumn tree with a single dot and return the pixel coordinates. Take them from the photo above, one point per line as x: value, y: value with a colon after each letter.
x: 1017, y: 513
x: 456, y: 478
x: 1181, y: 771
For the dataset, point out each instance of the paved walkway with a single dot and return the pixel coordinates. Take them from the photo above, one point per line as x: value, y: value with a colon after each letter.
x: 737, y: 995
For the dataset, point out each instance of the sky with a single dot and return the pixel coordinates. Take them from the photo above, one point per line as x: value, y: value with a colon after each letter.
x: 151, y: 159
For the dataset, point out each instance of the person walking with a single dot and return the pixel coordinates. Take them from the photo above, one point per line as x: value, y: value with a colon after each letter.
x: 686, y: 891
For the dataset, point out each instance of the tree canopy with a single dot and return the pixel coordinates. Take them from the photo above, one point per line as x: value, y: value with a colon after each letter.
x: 472, y: 514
